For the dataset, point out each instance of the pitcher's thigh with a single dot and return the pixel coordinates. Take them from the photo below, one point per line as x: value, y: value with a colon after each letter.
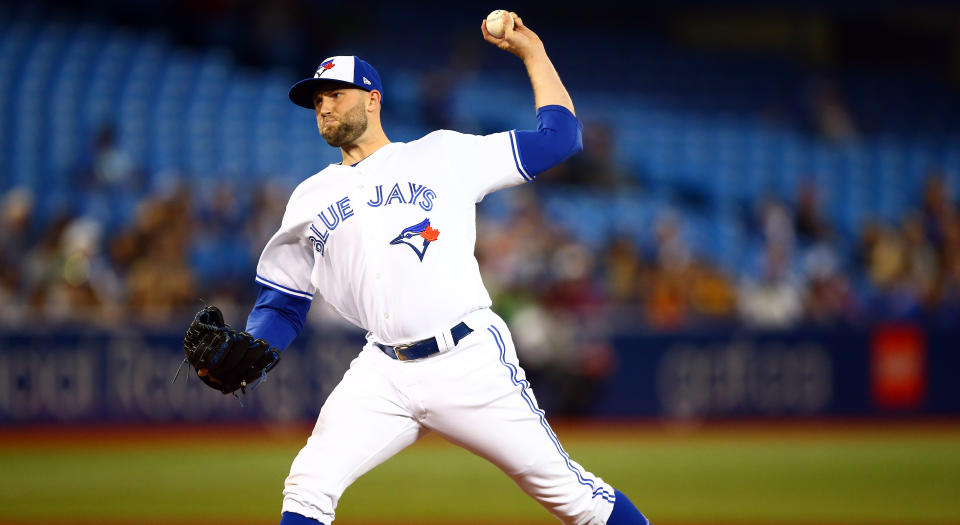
x: 360, y: 426
x: 496, y: 416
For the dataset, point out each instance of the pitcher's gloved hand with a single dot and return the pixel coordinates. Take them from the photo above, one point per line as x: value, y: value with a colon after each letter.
x: 226, y: 359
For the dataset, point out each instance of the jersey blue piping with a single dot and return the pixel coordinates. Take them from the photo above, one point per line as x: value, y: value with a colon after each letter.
x: 516, y: 157
x: 284, y: 289
x: 523, y: 384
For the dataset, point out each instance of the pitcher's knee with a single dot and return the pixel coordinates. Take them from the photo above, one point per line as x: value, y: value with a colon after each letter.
x: 593, y: 511
x: 575, y: 502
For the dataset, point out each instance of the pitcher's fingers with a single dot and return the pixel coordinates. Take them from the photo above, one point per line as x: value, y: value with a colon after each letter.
x: 486, y: 34
x: 507, y: 28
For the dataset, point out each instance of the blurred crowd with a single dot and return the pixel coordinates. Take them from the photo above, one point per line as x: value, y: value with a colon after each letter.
x: 796, y: 270
x: 185, y: 245
x: 180, y: 246
x: 136, y: 247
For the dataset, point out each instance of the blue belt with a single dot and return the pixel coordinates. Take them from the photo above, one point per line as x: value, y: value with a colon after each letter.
x: 424, y: 348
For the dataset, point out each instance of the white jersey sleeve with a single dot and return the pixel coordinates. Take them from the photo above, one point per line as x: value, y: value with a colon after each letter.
x: 484, y: 164
x: 286, y: 264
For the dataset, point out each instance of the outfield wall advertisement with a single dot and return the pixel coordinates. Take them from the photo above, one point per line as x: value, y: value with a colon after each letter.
x: 79, y: 376
x: 889, y: 370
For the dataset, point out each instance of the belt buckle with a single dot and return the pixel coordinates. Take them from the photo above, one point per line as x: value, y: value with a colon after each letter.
x: 400, y: 348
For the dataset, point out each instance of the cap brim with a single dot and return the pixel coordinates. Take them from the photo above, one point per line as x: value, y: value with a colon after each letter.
x: 302, y: 92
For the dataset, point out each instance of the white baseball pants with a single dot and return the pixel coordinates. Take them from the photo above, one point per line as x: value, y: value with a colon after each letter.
x: 475, y: 395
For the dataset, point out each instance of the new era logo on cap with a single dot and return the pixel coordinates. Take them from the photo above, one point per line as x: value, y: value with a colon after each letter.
x: 343, y: 69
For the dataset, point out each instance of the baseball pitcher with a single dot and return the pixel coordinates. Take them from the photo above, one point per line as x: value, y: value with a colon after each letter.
x: 386, y: 237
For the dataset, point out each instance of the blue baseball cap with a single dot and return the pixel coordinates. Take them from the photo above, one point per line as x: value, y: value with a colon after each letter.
x: 347, y: 70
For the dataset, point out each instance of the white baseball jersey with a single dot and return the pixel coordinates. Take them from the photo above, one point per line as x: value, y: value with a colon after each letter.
x: 389, y: 242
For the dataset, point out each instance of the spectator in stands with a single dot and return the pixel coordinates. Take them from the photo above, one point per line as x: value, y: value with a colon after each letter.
x: 109, y: 167
x: 897, y: 278
x: 107, y: 181
x: 809, y: 222
x: 886, y: 257
x: 948, y: 286
x: 84, y: 288
x: 40, y: 266
x: 65, y: 277
x: 624, y: 270
x: 667, y: 304
x: 572, y: 287
x: 938, y: 212
x: 713, y: 297
x: 830, y: 117
x: 939, y: 221
x: 829, y: 297
x: 159, y: 282
x: 16, y: 222
x: 922, y: 264
x: 775, y: 299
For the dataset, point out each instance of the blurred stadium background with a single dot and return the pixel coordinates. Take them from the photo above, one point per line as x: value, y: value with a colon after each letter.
x: 740, y: 302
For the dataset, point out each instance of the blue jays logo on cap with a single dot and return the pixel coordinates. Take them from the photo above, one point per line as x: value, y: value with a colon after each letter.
x: 420, y: 231
x: 324, y: 67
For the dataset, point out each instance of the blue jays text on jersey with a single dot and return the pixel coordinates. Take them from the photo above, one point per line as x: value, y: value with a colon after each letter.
x: 341, y: 210
x: 419, y: 195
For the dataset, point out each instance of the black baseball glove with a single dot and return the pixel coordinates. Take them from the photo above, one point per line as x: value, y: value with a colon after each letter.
x: 226, y: 359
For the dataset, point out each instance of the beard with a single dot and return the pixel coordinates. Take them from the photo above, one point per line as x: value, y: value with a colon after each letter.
x: 348, y: 129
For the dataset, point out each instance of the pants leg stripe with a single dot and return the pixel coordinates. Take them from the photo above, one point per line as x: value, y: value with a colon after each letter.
x: 524, y: 384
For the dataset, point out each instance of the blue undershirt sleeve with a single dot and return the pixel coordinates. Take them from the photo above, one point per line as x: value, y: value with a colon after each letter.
x: 277, y: 317
x: 558, y: 136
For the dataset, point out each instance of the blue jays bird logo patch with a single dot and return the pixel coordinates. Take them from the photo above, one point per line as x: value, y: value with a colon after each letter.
x: 324, y: 67
x: 418, y: 232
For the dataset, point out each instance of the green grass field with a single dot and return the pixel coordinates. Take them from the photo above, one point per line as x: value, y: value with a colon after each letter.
x: 744, y: 474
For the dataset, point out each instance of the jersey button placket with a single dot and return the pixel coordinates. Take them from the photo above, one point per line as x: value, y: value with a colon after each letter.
x: 370, y: 240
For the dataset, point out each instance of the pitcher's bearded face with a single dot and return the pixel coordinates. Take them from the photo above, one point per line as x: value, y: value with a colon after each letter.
x: 338, y: 125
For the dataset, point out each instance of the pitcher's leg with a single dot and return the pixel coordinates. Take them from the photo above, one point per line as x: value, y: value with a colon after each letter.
x: 490, y: 409
x: 362, y: 424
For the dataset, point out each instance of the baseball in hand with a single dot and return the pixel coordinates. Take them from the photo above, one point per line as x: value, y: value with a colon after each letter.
x: 496, y: 25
